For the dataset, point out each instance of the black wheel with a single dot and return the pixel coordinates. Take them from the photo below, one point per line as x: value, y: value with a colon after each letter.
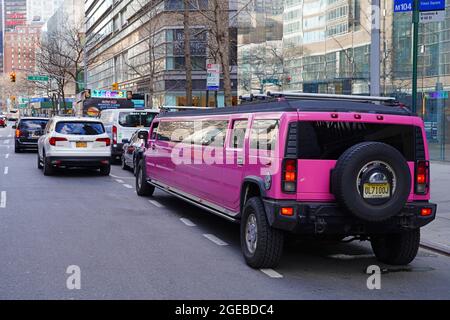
x: 143, y: 188
x: 123, y: 163
x: 262, y: 246
x: 48, y: 168
x: 105, y: 170
x: 372, y: 181
x: 39, y: 163
x: 396, y: 249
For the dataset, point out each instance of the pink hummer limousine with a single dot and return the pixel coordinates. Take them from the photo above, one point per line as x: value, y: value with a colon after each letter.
x: 326, y: 166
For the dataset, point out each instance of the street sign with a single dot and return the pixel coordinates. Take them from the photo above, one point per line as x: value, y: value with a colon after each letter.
x: 403, y: 5
x: 213, y: 78
x: 432, y: 16
x: 437, y: 95
x: 431, y: 5
x: 37, y: 78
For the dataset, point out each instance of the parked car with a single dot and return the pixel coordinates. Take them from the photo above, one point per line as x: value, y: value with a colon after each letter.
x: 133, y: 150
x: 120, y: 124
x: 314, y: 165
x: 3, y: 121
x: 28, y: 131
x: 74, y: 142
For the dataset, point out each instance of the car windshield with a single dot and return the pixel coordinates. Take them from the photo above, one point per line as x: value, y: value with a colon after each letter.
x: 134, y: 119
x: 80, y: 128
x: 34, y: 124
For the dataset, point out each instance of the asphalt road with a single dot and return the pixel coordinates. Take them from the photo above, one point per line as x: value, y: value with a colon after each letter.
x: 129, y: 247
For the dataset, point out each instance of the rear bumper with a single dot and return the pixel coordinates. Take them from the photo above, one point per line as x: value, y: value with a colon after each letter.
x: 26, y: 143
x: 116, y: 150
x: 329, y: 218
x: 81, y: 162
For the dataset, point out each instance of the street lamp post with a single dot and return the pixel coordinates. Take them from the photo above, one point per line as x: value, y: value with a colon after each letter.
x: 415, y: 42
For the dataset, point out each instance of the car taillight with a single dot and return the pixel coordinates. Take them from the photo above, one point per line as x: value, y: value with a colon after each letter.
x: 289, y: 181
x: 53, y: 140
x: 105, y: 140
x: 422, y: 177
x: 114, y: 134
x: 17, y: 133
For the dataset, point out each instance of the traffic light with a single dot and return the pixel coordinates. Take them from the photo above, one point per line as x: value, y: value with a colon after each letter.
x: 12, y: 76
x: 115, y: 86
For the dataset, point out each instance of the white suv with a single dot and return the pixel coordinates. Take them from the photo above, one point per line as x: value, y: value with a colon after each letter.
x: 74, y: 142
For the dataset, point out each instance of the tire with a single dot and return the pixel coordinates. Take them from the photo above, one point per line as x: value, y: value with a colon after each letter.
x: 105, y: 170
x: 268, y: 247
x: 39, y: 164
x: 143, y: 189
x: 123, y: 163
x: 348, y: 179
x: 48, y: 168
x: 396, y: 249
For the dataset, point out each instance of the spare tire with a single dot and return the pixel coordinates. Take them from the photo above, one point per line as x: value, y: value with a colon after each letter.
x: 372, y: 181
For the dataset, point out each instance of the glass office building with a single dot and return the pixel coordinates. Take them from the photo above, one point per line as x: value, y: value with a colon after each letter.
x: 323, y: 46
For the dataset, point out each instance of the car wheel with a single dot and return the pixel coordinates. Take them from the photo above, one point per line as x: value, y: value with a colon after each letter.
x: 39, y: 163
x: 48, y: 168
x: 105, y: 170
x: 396, y: 249
x: 143, y: 189
x: 262, y: 246
x: 124, y: 164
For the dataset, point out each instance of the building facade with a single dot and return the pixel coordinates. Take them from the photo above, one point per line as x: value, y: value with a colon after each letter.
x: 140, y: 45
x: 14, y: 13
x: 20, y: 47
x: 323, y: 46
x: 41, y: 10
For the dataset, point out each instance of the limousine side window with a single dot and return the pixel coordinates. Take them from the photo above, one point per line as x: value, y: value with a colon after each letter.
x: 213, y: 133
x: 175, y: 131
x: 264, y: 134
x: 238, y: 132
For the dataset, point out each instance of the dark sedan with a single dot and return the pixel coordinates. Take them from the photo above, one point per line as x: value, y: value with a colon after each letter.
x: 28, y: 131
x: 133, y: 150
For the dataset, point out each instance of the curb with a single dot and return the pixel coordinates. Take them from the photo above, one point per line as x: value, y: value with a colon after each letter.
x: 433, y: 246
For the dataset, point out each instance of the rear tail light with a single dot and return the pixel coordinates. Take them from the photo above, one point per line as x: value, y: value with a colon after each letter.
x: 287, y: 211
x: 422, y: 177
x: 53, y: 140
x: 105, y: 140
x: 289, y: 181
x: 17, y: 133
x: 114, y: 134
x: 425, y: 212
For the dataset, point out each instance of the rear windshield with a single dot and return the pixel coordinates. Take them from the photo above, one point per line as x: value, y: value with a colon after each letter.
x: 134, y: 119
x: 329, y: 140
x: 80, y: 128
x: 33, y: 124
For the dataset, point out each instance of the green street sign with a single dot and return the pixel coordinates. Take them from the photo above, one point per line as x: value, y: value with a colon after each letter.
x: 37, y: 78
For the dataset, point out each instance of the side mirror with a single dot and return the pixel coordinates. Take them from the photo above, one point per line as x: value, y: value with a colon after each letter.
x: 14, y: 126
x: 143, y: 135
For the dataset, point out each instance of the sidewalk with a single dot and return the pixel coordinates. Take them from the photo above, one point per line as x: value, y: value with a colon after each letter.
x: 437, y: 233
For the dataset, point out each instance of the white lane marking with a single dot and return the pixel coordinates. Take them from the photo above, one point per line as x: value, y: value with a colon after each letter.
x: 127, y: 186
x: 6, y: 170
x: 117, y: 177
x: 187, y: 222
x: 6, y: 141
x: 9, y: 135
x: 271, y: 273
x: 156, y: 203
x: 214, y: 239
x: 3, y: 199
x: 119, y: 181
x: 7, y: 156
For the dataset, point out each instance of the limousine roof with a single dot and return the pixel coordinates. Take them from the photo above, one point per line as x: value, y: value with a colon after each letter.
x: 297, y: 105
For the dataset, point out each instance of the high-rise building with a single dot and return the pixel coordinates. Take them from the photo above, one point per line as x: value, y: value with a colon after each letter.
x: 14, y: 13
x: 323, y: 46
x: 41, y: 10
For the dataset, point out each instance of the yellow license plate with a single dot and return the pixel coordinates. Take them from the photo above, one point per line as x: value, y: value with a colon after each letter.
x: 376, y: 190
x: 81, y: 144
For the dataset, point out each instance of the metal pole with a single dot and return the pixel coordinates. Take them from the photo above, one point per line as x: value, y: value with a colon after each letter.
x: 375, y: 50
x: 415, y: 42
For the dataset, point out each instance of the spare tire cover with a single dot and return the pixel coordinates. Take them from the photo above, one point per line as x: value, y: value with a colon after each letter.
x: 372, y: 181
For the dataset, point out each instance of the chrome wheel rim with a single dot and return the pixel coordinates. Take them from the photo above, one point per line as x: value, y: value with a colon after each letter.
x: 251, y: 233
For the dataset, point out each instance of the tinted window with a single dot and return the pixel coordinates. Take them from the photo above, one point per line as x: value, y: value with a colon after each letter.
x: 264, y: 134
x: 32, y: 124
x: 238, y: 134
x: 175, y: 131
x: 329, y: 140
x: 133, y: 119
x: 80, y: 128
x: 212, y: 133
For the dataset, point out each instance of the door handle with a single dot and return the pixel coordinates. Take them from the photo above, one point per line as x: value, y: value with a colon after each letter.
x: 240, y: 161
x: 153, y: 147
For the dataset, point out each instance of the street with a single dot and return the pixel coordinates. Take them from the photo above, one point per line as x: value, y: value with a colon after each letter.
x: 128, y: 247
